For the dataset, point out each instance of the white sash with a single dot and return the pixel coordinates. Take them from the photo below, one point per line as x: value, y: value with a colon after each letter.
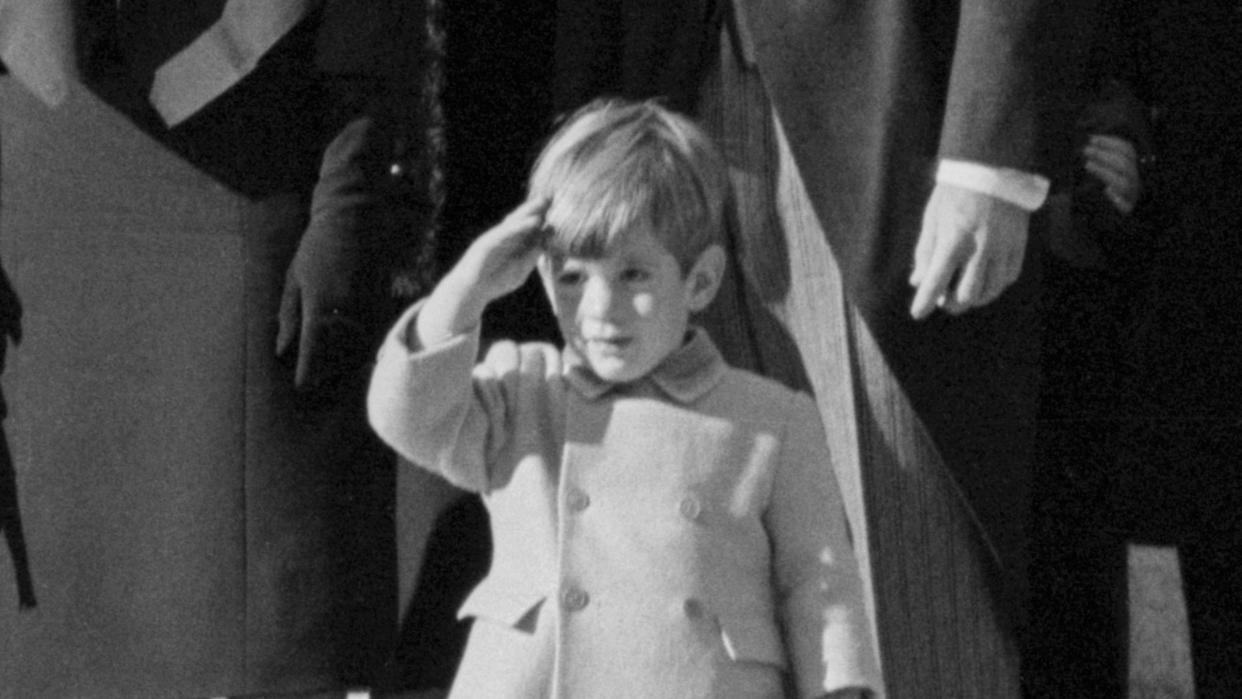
x: 222, y: 55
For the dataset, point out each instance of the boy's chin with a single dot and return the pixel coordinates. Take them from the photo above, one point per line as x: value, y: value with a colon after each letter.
x: 614, y: 371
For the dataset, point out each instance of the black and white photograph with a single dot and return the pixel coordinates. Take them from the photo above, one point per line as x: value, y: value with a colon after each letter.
x: 620, y: 349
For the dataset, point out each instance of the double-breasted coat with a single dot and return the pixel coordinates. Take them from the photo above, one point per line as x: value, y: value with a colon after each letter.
x: 677, y: 537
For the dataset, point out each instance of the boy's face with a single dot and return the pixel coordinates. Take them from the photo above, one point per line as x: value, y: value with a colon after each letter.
x: 626, y: 311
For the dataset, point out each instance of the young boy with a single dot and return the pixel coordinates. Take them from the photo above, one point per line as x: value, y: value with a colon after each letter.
x: 663, y: 525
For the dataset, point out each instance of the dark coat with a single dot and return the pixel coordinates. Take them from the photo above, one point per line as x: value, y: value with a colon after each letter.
x: 1142, y: 409
x: 1183, y: 62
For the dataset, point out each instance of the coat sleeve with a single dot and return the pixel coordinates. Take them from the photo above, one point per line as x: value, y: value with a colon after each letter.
x: 819, y: 589
x: 990, y: 113
x: 469, y: 423
x: 421, y: 404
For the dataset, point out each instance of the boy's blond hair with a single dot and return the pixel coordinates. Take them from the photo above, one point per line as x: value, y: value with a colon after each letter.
x: 615, y: 166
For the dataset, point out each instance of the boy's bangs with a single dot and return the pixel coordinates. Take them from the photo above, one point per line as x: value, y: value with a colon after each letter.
x: 615, y: 169
x: 591, y: 212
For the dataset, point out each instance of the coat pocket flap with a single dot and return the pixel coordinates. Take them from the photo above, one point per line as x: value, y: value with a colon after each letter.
x: 500, y: 603
x: 752, y: 638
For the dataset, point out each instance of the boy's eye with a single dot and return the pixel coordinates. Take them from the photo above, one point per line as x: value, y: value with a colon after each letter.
x: 569, y: 278
x: 635, y: 274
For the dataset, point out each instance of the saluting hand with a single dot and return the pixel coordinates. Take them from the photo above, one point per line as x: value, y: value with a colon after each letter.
x: 500, y: 260
x: 496, y: 263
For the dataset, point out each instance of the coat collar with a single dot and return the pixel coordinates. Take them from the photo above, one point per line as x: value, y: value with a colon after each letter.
x: 685, y: 375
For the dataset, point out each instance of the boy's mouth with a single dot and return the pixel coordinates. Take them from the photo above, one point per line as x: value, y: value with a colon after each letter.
x: 608, y: 344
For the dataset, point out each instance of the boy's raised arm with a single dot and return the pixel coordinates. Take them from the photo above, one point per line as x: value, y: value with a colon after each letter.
x: 496, y: 264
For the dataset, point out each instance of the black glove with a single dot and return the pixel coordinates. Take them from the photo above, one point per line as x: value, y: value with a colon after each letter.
x: 334, y: 278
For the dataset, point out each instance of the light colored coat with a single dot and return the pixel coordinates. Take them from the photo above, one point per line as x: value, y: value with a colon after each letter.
x: 682, y: 537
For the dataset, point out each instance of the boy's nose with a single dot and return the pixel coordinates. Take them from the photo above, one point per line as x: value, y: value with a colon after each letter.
x: 598, y: 299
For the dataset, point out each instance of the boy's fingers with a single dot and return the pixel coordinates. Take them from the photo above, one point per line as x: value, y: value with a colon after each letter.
x: 520, y: 232
x: 530, y: 209
x: 524, y: 214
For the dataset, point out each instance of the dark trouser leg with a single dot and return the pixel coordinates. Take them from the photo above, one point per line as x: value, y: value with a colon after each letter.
x: 1076, y: 638
x: 1212, y: 576
x: 1211, y: 563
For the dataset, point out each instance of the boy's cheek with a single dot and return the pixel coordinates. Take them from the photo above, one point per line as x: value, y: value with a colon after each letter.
x: 644, y: 304
x: 556, y: 300
x: 563, y: 309
x: 563, y: 306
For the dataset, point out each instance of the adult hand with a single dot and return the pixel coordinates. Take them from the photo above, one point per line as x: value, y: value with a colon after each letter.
x: 969, y: 251
x: 1114, y: 162
x: 318, y: 316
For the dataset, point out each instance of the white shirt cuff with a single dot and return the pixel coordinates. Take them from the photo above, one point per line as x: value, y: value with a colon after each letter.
x: 1024, y: 189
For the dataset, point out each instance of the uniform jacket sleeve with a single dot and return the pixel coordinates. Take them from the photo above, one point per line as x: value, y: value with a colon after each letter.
x: 816, y: 574
x: 440, y: 411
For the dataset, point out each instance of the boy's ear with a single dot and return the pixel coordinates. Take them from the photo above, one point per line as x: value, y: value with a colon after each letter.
x: 704, y: 278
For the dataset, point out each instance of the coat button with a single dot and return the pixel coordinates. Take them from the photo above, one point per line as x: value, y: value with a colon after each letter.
x: 578, y: 500
x: 690, y: 508
x: 573, y: 599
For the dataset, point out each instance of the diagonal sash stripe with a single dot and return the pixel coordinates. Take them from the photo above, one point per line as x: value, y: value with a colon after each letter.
x: 222, y: 55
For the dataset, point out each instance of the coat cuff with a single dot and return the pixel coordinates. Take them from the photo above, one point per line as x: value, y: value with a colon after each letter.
x: 403, y: 378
